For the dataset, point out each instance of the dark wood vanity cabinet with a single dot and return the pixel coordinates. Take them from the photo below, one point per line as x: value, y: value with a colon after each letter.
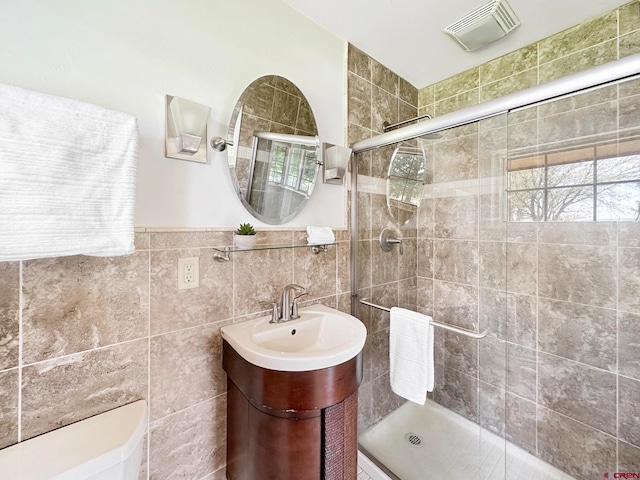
x: 291, y: 425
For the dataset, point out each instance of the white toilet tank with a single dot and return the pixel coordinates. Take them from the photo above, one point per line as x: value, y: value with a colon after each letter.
x: 105, y: 447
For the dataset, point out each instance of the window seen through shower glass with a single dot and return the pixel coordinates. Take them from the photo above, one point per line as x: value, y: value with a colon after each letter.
x: 586, y: 163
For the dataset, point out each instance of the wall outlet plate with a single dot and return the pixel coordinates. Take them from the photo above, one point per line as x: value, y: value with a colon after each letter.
x: 188, y: 273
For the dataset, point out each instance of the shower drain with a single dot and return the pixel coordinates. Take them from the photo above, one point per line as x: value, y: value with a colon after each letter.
x: 413, y: 439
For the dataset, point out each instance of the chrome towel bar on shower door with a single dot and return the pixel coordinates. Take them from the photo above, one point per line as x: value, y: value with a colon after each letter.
x: 461, y: 331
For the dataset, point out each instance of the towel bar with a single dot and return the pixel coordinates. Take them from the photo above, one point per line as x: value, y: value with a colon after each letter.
x: 462, y: 331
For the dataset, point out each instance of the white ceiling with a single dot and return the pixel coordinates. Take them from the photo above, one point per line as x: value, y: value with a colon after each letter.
x: 406, y: 35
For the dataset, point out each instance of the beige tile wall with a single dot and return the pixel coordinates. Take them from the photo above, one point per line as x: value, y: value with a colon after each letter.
x: 555, y: 375
x: 93, y: 334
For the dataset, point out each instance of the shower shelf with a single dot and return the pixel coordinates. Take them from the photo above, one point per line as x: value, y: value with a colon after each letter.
x: 222, y: 253
x: 461, y: 331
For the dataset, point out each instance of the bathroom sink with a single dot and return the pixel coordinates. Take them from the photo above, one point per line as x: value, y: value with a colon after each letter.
x: 321, y: 338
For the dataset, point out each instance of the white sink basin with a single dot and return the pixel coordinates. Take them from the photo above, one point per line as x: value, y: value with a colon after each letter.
x: 322, y: 337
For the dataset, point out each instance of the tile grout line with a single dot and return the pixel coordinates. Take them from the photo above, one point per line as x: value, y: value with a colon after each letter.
x: 148, y: 361
x: 20, y: 347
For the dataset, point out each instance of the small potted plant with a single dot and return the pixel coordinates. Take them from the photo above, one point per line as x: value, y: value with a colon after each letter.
x: 245, y: 236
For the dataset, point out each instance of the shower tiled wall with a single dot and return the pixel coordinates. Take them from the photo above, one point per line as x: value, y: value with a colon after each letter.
x: 558, y: 370
x: 82, y: 335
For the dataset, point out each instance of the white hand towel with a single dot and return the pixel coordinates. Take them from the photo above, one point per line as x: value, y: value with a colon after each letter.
x: 411, y: 367
x: 320, y: 235
x: 67, y: 177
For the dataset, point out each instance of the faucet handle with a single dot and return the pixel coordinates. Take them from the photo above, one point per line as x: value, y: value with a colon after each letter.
x: 294, y: 306
x: 274, y: 310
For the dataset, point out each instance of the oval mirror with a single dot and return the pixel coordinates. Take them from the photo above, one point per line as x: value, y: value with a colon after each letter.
x: 273, y: 159
x: 405, y: 182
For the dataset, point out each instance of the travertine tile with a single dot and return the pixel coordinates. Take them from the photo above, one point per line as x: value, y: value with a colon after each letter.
x: 384, y: 78
x: 425, y: 258
x: 628, y: 458
x: 629, y: 279
x: 406, y: 111
x: 359, y: 92
x: 575, y: 448
x: 511, y: 84
x: 510, y: 64
x: 578, y: 332
x: 9, y: 387
x: 364, y: 216
x: 343, y: 266
x: 141, y: 240
x: 629, y: 342
x: 385, y: 296
x: 629, y: 410
x: 629, y: 44
x: 363, y: 264
x: 629, y: 17
x: 9, y: 310
x: 355, y: 133
x: 384, y: 108
x: 456, y: 261
x: 521, y: 422
x: 493, y: 361
x: 424, y: 296
x: 379, y: 344
x: 316, y: 273
x: 173, y: 309
x: 365, y: 407
x: 521, y: 371
x: 58, y: 392
x: 457, y: 102
x: 578, y: 62
x: 359, y: 62
x: 425, y: 219
x: 461, y: 353
x: 578, y: 274
x: 522, y: 268
x: 384, y: 400
x: 78, y: 303
x: 459, y: 393
x: 455, y: 304
x: 463, y: 81
x: 426, y: 96
x: 381, y: 158
x: 408, y: 261
x: 576, y: 38
x: 186, y: 369
x: 456, y: 159
x: 491, y: 408
x: 163, y: 240
x: 574, y: 124
x: 408, y: 92
x: 510, y: 317
x: 384, y: 265
x: 190, y: 443
x: 493, y: 263
x: 578, y: 233
x: 578, y: 391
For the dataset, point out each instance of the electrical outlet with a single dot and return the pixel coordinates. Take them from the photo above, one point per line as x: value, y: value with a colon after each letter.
x: 188, y: 273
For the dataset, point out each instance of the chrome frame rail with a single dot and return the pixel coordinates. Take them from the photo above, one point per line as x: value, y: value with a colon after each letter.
x: 461, y: 331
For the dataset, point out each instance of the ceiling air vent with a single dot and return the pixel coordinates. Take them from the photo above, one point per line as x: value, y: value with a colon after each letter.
x: 484, y: 25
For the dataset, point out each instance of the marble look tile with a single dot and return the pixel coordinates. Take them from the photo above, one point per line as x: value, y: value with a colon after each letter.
x: 425, y: 218
x: 408, y: 261
x: 359, y: 92
x: 386, y: 296
x: 364, y: 216
x: 522, y: 270
x: 384, y: 108
x: 381, y: 218
x: 578, y: 332
x: 365, y: 407
x: 491, y: 408
x: 363, y: 162
x: 578, y: 274
x: 521, y: 422
x: 629, y: 107
x: 363, y: 264
x: 573, y: 447
x: 260, y: 276
x: 379, y: 353
x: 426, y: 96
x: 493, y: 262
x: 144, y: 462
x: 456, y: 261
x: 285, y: 108
x: 629, y: 410
x: 456, y: 159
x: 457, y: 102
x: 384, y: 78
x: 629, y: 344
x: 380, y: 160
x: 467, y: 80
x: 358, y: 62
x: 220, y: 474
x: 507, y: 65
x: 408, y: 92
x: 578, y: 391
x: 141, y: 240
x: 459, y: 393
x: 578, y: 62
x: 629, y: 279
x: 461, y: 353
x: 629, y: 17
x: 162, y: 240
x: 408, y: 292
x: 190, y: 443
x: 406, y: 111
x: 173, y: 309
x: 425, y: 258
x: 306, y: 123
x: 507, y: 85
x: 355, y: 133
x: 578, y: 233
x: 385, y: 401
x: 186, y: 369
x: 577, y: 38
x: 493, y: 362
x: 58, y: 392
x: 78, y: 303
x: 424, y: 296
x: 9, y: 387
x: 455, y: 304
x: 492, y: 148
x: 9, y: 309
x: 384, y: 265
x: 492, y: 226
x: 521, y: 371
x: 628, y: 458
x: 456, y: 217
x: 343, y: 266
x: 317, y: 273
x: 629, y: 44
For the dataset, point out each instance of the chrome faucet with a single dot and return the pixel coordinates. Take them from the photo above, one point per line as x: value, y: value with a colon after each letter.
x: 287, y: 302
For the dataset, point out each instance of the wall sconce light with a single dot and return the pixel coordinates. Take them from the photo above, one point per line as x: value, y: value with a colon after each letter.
x: 335, y: 160
x: 186, y: 127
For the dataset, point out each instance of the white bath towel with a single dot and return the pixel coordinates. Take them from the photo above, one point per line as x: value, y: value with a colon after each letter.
x: 67, y: 177
x: 411, y: 367
x: 320, y: 235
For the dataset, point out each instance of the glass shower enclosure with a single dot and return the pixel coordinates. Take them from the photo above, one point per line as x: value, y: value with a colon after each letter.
x: 527, y: 229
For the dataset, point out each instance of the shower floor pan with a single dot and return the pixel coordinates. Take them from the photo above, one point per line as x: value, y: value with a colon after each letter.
x: 432, y: 443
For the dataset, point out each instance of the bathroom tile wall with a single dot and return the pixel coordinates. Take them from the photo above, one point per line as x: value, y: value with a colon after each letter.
x: 555, y: 374
x: 82, y: 335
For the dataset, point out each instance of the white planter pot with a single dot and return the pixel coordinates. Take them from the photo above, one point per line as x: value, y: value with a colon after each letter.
x: 244, y: 242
